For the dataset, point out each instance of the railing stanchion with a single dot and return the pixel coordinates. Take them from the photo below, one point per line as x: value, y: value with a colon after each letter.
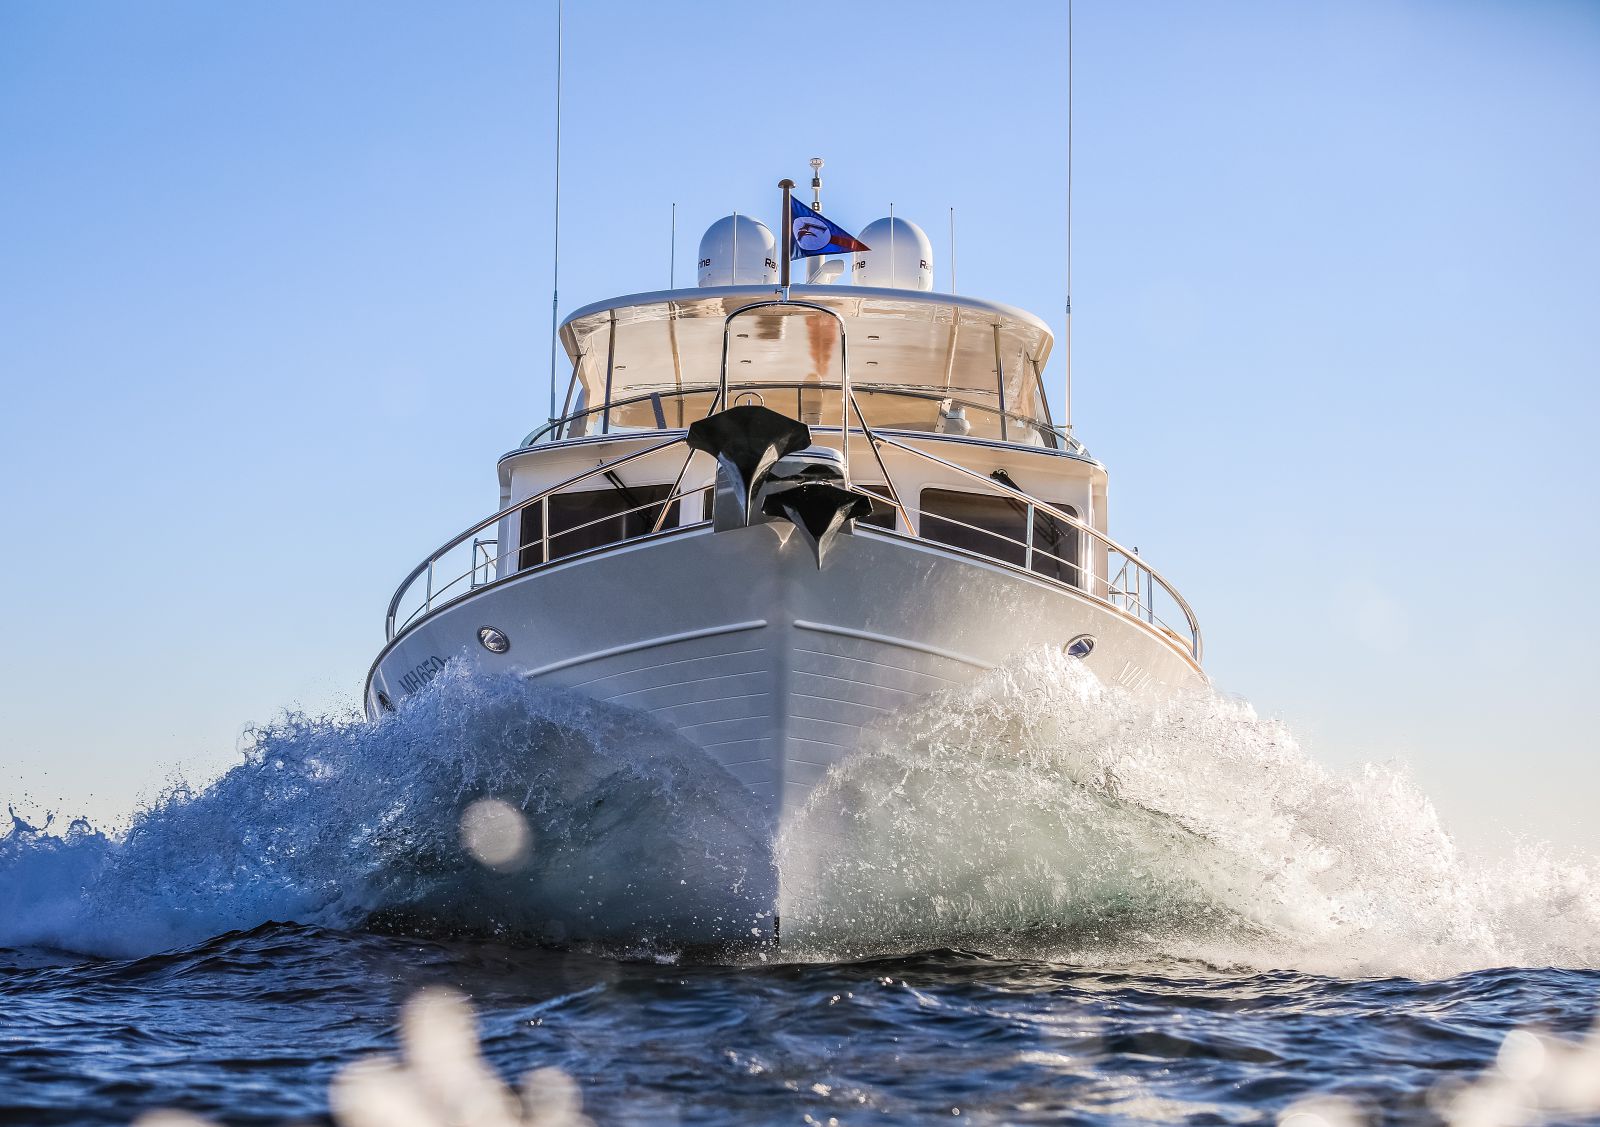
x: 1000, y: 382
x: 611, y: 361
x: 544, y: 531
x: 1027, y: 554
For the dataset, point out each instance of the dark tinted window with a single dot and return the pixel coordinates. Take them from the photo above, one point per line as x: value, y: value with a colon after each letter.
x: 883, y: 514
x: 592, y: 518
x: 531, y: 538
x: 997, y: 526
x: 1056, y: 546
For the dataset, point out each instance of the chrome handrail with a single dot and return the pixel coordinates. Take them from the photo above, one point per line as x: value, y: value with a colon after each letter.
x: 1068, y: 441
x: 1136, y: 603
x: 1086, y: 569
x: 844, y: 364
x: 461, y: 537
x: 1031, y: 551
x: 1198, y: 646
x: 543, y: 543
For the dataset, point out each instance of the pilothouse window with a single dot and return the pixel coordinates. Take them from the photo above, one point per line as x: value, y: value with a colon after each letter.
x: 883, y: 514
x: 591, y: 518
x: 996, y: 526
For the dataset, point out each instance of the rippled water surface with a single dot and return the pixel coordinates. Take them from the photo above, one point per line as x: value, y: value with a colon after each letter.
x: 250, y: 1028
x: 1035, y: 899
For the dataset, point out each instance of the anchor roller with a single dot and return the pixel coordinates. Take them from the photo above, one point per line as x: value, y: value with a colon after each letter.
x: 767, y: 469
x: 746, y: 442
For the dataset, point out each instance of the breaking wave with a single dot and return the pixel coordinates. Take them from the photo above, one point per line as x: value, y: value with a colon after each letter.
x: 1042, y: 812
x: 629, y: 833
x: 1036, y: 812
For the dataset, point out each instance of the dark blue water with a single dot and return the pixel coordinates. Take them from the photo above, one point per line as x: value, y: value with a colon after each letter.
x: 1036, y: 900
x: 251, y: 1027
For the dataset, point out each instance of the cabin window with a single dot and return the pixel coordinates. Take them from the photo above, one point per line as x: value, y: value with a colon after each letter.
x: 592, y: 518
x: 996, y: 526
x: 882, y: 515
x: 1056, y: 546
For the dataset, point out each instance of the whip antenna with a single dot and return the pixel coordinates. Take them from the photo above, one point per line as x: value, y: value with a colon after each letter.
x: 814, y: 264
x: 1068, y: 341
x: 555, y: 240
x: 952, y: 250
x: 672, y: 256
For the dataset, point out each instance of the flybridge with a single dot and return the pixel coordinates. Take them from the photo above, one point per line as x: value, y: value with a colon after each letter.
x: 918, y: 360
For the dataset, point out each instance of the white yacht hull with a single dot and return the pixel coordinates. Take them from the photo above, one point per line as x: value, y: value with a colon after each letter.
x: 739, y: 642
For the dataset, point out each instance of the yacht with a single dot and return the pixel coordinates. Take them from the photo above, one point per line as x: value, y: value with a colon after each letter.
x: 773, y: 515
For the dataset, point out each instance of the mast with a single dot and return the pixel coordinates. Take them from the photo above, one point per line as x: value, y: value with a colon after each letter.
x: 787, y: 227
x: 814, y: 263
x: 555, y: 239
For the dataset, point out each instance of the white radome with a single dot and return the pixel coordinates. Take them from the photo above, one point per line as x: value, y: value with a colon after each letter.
x: 901, y: 257
x: 737, y: 250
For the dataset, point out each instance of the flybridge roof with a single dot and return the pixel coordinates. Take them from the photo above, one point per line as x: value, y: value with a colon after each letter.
x: 672, y: 339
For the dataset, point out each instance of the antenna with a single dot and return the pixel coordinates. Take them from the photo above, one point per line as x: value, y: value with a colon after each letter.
x: 1067, y: 419
x: 952, y: 250
x: 894, y: 273
x: 672, y: 256
x: 555, y: 240
x: 814, y: 264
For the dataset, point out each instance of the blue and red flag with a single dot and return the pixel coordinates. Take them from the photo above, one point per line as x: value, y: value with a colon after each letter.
x: 811, y: 233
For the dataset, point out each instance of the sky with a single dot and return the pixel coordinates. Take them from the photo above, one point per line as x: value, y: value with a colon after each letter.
x: 275, y: 286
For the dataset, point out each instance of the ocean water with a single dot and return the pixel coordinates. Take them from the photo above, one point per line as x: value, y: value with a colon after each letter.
x: 1035, y: 900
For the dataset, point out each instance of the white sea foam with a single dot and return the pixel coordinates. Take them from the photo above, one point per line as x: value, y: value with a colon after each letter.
x: 1039, y: 811
x: 632, y: 834
x: 1035, y: 812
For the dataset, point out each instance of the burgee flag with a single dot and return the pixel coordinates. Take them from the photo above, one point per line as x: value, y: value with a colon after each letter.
x: 810, y: 233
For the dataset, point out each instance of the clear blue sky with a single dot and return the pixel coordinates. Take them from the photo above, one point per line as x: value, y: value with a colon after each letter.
x: 274, y: 294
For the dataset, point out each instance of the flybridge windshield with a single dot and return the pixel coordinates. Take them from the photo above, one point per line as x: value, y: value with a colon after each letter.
x: 920, y: 360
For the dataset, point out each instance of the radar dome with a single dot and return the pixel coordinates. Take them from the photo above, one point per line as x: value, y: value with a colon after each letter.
x: 901, y: 256
x: 738, y: 251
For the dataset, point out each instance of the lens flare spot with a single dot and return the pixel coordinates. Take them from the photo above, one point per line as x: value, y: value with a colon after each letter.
x: 496, y: 834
